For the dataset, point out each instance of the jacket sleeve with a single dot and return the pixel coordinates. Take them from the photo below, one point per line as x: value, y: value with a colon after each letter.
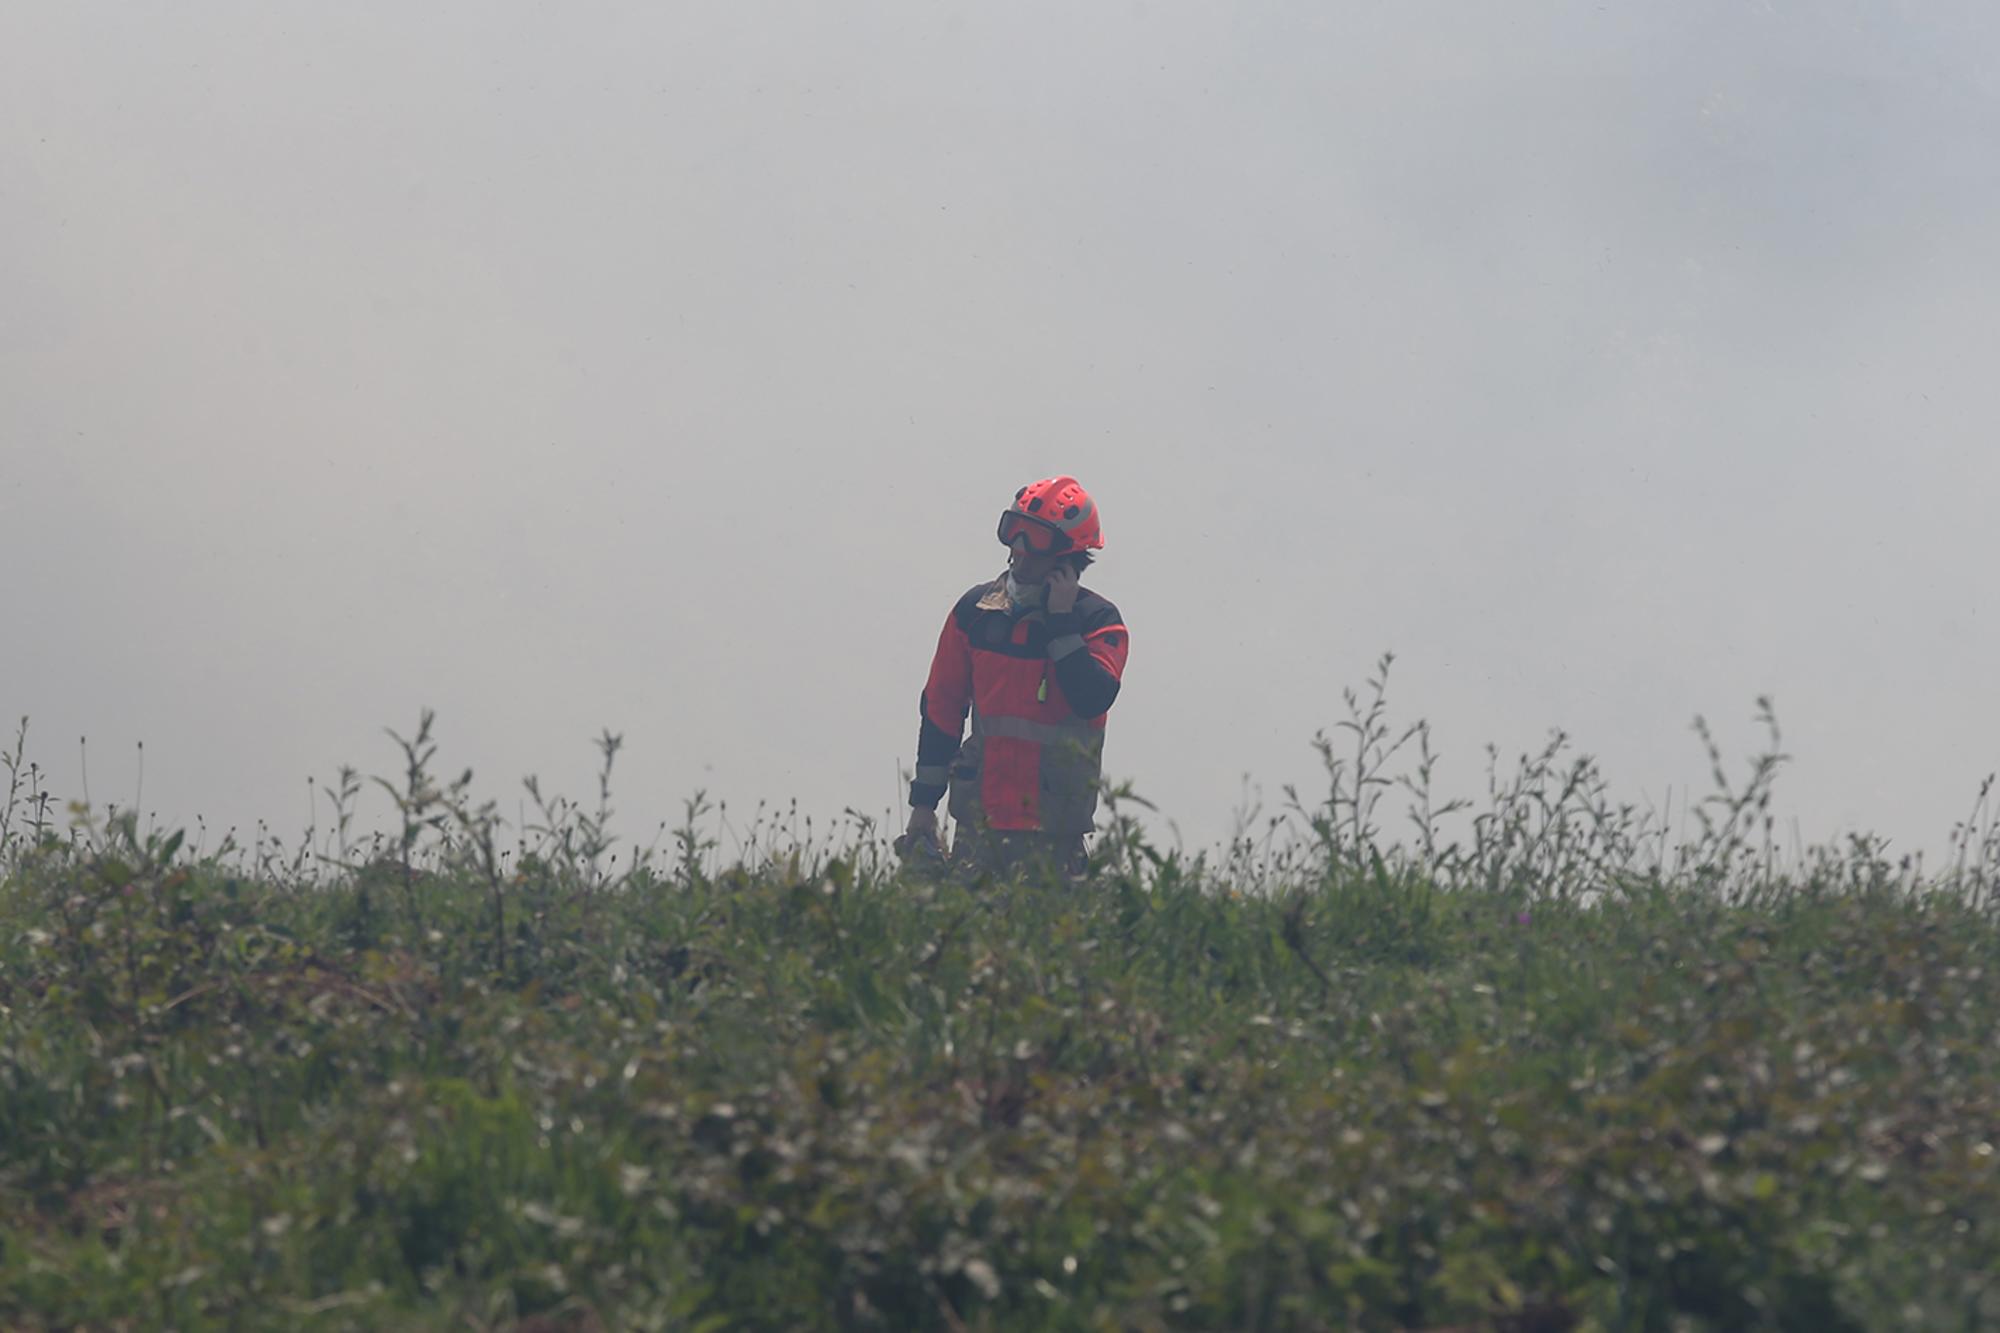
x: 1088, y: 651
x: 943, y: 704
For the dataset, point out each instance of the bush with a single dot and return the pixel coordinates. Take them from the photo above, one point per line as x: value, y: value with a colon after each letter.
x: 1528, y: 1082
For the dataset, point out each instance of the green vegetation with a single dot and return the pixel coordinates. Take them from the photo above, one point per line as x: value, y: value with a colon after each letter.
x: 1562, y: 1071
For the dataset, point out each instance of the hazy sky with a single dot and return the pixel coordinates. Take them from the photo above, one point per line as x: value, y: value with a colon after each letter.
x: 663, y: 367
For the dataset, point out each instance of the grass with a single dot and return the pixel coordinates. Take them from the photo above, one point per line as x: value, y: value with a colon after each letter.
x: 1561, y: 1071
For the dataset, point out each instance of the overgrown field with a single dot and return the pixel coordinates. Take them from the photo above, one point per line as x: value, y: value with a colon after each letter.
x: 1539, y: 1078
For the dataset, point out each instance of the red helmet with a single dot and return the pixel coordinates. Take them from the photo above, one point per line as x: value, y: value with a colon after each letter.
x: 1056, y: 516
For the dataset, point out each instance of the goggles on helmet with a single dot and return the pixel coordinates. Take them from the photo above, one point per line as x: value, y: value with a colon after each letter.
x: 1044, y: 537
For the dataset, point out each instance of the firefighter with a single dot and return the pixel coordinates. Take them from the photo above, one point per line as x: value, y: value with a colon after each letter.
x: 1035, y: 658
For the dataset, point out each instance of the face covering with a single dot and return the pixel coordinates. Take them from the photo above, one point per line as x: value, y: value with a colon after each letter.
x: 1024, y: 596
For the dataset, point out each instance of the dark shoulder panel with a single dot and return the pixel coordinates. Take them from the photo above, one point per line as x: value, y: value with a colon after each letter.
x: 1094, y: 612
x: 968, y: 605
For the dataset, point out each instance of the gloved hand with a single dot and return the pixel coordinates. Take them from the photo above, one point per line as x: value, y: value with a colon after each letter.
x: 920, y: 839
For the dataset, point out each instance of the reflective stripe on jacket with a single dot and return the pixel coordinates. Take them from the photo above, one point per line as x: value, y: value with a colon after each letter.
x: 1037, y: 688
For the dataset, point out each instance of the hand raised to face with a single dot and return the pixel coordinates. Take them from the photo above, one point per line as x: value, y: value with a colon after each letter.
x: 1062, y: 590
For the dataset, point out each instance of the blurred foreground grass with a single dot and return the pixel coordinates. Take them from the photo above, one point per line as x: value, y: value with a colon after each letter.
x: 1518, y: 1083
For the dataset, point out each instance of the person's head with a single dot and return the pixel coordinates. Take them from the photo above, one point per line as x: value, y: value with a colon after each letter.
x: 1028, y: 568
x: 1052, y: 522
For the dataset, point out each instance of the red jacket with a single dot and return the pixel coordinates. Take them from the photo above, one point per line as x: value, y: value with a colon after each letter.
x: 1038, y: 688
